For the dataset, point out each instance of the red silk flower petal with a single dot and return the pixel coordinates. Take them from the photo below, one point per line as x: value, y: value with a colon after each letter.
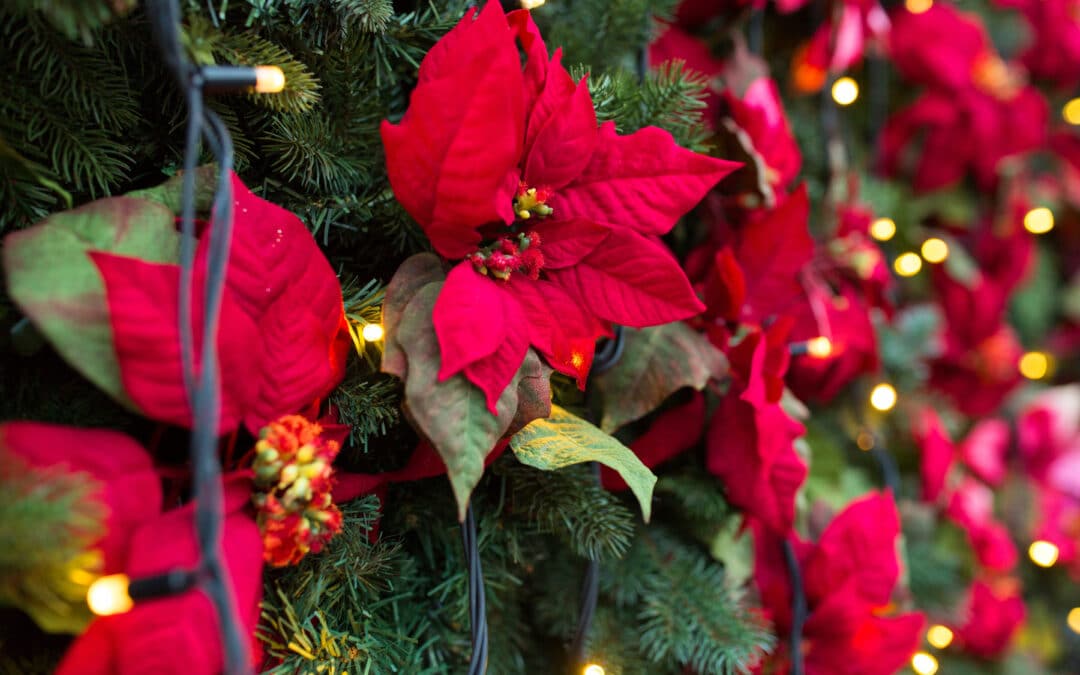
x: 630, y: 280
x: 559, y: 327
x: 643, y: 181
x: 494, y: 372
x: 772, y: 251
x: 566, y: 242
x: 469, y: 318
x: 859, y: 543
x: 129, y: 487
x: 560, y: 144
x: 725, y: 287
x: 144, y: 314
x: 536, y: 54
x: 937, y: 452
x: 452, y: 159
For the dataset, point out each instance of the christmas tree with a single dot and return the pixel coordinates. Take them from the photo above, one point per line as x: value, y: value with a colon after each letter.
x: 592, y: 337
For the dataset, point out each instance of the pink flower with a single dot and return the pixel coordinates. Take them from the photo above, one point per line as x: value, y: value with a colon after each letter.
x: 993, y: 615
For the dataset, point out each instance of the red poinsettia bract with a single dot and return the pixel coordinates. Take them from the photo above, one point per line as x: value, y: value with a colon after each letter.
x: 977, y: 109
x: 554, y: 219
x: 171, y: 635
x: 848, y: 579
x: 282, y: 336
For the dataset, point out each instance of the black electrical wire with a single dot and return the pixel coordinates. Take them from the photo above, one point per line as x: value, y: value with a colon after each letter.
x: 477, y: 602
x: 798, y: 608
x: 204, y: 389
x: 609, y: 353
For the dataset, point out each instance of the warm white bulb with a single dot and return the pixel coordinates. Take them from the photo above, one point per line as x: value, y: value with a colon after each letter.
x: 845, y: 90
x: 907, y: 264
x: 109, y: 595
x: 1034, y: 365
x: 883, y: 397
x: 372, y: 332
x: 918, y: 6
x: 1039, y: 220
x: 1043, y: 553
x: 934, y: 250
x: 269, y: 79
x: 1073, y: 619
x: 883, y: 229
x: 924, y: 664
x: 939, y: 636
x: 593, y: 669
x: 819, y: 347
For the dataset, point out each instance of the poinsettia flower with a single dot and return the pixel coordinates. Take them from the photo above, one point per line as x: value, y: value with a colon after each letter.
x: 844, y: 320
x: 282, y: 339
x: 848, y: 581
x: 971, y: 507
x: 993, y: 616
x: 937, y: 449
x: 839, y: 43
x: 754, y: 105
x: 977, y: 110
x: 553, y: 218
x: 126, y: 484
x: 1048, y: 431
x: 176, y: 634
x: 984, y: 448
x: 978, y: 365
x: 1054, y: 49
x: 750, y: 439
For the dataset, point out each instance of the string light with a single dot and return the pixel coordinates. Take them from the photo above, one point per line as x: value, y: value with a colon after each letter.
x: 939, y: 636
x: 907, y: 264
x: 109, y: 595
x: 269, y: 79
x: 593, y: 669
x: 1039, y: 220
x: 918, y: 6
x: 531, y: 4
x: 372, y: 332
x: 924, y: 664
x: 819, y: 347
x: 1073, y: 619
x: 865, y: 441
x: 1034, y: 365
x: 1043, y: 553
x: 935, y: 250
x: 1071, y: 112
x: 883, y: 229
x: 883, y: 397
x: 845, y: 90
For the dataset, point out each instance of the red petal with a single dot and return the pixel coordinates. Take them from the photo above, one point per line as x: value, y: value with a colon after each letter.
x: 469, y: 319
x: 859, y: 543
x: 937, y: 452
x: 725, y: 287
x: 772, y: 251
x: 672, y: 432
x: 630, y: 280
x: 144, y: 315
x: 643, y: 181
x: 493, y: 373
x: 129, y: 488
x: 536, y: 59
x: 563, y: 331
x: 452, y: 160
x: 562, y: 131
x: 566, y: 242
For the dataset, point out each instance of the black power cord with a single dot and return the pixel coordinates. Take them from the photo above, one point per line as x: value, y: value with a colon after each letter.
x: 477, y: 602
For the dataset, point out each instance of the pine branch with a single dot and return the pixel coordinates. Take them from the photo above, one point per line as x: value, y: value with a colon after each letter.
x: 77, y: 19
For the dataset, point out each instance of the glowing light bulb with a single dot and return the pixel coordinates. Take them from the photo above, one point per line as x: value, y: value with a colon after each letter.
x: 372, y: 332
x: 531, y: 4
x: 918, y: 6
x: 845, y: 90
x: 939, y: 636
x: 924, y: 664
x: 1071, y: 112
x: 1034, y: 365
x: 935, y: 250
x: 1039, y: 220
x: 907, y: 264
x: 865, y: 441
x: 109, y: 595
x: 883, y: 397
x: 593, y: 669
x: 1073, y: 619
x: 269, y: 79
x: 819, y: 347
x: 883, y: 229
x: 1043, y: 553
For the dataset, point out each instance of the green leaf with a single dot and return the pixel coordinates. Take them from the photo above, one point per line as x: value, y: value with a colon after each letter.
x: 170, y: 192
x: 452, y: 414
x: 656, y: 363
x: 415, y: 273
x: 564, y: 439
x: 53, y: 281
